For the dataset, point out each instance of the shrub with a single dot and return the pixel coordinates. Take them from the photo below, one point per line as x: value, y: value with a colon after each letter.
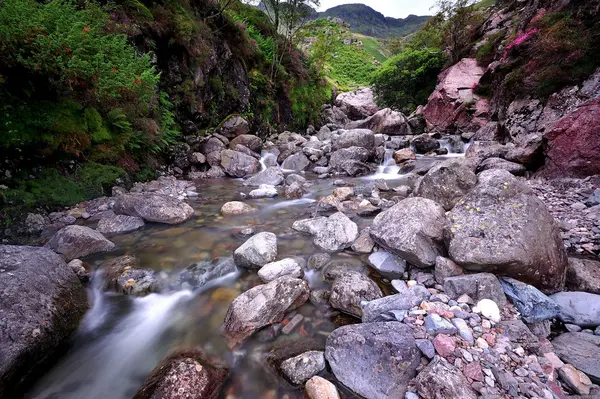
x: 406, y: 80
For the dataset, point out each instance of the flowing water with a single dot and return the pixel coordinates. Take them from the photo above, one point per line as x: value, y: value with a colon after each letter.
x: 122, y: 338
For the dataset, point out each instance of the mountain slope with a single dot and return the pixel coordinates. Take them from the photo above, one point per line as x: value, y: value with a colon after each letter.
x: 365, y: 20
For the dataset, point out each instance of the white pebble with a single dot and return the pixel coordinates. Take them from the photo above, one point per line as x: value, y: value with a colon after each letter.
x: 489, y: 310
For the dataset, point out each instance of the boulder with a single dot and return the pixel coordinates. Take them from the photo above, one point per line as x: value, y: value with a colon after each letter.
x: 185, y: 374
x: 272, y: 176
x: 501, y: 227
x: 237, y: 164
x: 358, y: 104
x: 403, y: 155
x: 257, y: 251
x: 234, y: 126
x: 274, y: 270
x: 582, y: 350
x: 310, y: 226
x: 119, y: 224
x: 247, y: 140
x: 137, y: 282
x: 263, y: 305
x: 533, y: 305
x: 518, y: 333
x: 296, y: 162
x: 499, y: 163
x: 571, y: 146
x: 78, y: 241
x: 363, y: 138
x: 386, y: 121
x: 303, y: 367
x: 412, y: 229
x: 364, y: 244
x: 580, y: 308
x: 264, y: 191
x: 583, y: 275
x: 424, y: 143
x: 153, y: 208
x: 375, y: 360
x: 333, y: 116
x: 446, y: 183
x: 342, y: 160
x: 42, y: 302
x: 444, y: 268
x: 212, y: 148
x: 478, y: 286
x: 350, y: 289
x: 200, y: 274
x: 197, y: 158
x: 441, y: 380
x: 235, y: 208
x: 377, y: 309
x: 320, y: 388
x: 388, y: 265
x: 337, y: 233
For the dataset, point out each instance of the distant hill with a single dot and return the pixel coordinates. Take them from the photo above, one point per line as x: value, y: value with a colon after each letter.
x: 365, y: 20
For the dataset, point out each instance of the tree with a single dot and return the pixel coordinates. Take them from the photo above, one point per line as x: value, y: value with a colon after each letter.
x: 456, y: 15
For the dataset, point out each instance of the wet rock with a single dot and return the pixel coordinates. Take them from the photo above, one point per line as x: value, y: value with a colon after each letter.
x: 358, y: 104
x: 272, y: 176
x: 386, y: 121
x: 79, y: 269
x: 582, y: 350
x: 405, y: 300
x: 350, y: 289
x: 384, y: 346
x: 441, y: 380
x: 119, y: 224
x: 153, y: 208
x: 580, y: 308
x: 234, y: 126
x: 41, y: 302
x: 200, y: 274
x: 274, y: 270
x: 235, y: 208
x: 363, y: 138
x: 388, y: 265
x: 318, y: 261
x: 337, y: 233
x: 301, y: 368
x: 336, y: 268
x: 138, y: 282
x: 477, y: 286
x: 444, y: 268
x: 341, y: 159
x: 583, y: 275
x: 310, y: 226
x: 264, y: 191
x: 435, y: 324
x: 446, y: 183
x: 247, y: 140
x: 263, y: 305
x: 533, y: 305
x: 237, y: 164
x: 403, y: 155
x: 501, y: 227
x: 78, y: 241
x: 294, y: 191
x: 413, y: 229
x: 185, y: 374
x: 296, y: 162
x: 364, y: 243
x: 425, y: 143
x: 499, y: 163
x: 257, y: 251
x: 320, y: 388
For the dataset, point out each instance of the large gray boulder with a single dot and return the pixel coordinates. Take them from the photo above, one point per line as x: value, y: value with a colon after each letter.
x: 446, y: 183
x: 583, y: 275
x: 350, y: 160
x: 441, y: 380
x: 296, y: 162
x: 582, y: 350
x: 153, y: 208
x: 350, y: 289
x: 119, y: 224
x: 185, y: 374
x: 478, y: 286
x: 42, y: 302
x: 386, y: 121
x: 237, y: 164
x: 375, y: 360
x: 378, y: 309
x: 78, y: 241
x: 357, y: 104
x: 499, y: 163
x: 272, y: 176
x: 263, y: 305
x: 234, y: 126
x: 303, y: 367
x: 363, y: 138
x: 501, y: 227
x: 579, y: 308
x: 413, y: 229
x: 337, y: 234
x: 249, y: 141
x: 257, y: 251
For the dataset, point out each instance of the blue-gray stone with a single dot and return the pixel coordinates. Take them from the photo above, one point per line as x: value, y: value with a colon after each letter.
x: 463, y: 330
x: 388, y: 265
x: 426, y: 347
x: 533, y: 305
x: 435, y: 324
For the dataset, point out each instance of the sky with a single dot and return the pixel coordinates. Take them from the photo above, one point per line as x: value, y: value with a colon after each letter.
x: 389, y: 8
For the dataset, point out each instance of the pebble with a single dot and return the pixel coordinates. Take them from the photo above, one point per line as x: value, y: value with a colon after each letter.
x: 426, y: 347
x: 289, y: 327
x: 573, y: 328
x: 481, y: 343
x: 489, y: 310
x: 463, y: 330
x: 435, y: 324
x: 467, y: 355
x: 444, y: 345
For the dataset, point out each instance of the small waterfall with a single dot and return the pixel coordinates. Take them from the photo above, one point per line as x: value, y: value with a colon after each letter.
x: 267, y: 159
x: 387, y: 169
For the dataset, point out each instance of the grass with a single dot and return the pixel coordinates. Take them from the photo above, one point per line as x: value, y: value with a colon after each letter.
x: 485, y: 4
x: 373, y: 47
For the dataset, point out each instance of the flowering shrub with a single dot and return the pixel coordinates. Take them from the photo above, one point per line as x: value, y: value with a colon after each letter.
x: 519, y: 40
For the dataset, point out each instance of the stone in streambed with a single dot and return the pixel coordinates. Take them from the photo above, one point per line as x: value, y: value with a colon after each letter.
x: 78, y: 241
x: 337, y: 233
x: 533, y: 305
x: 235, y: 208
x: 320, y: 388
x: 301, y: 368
x: 257, y: 251
x: 119, y: 224
x: 350, y: 289
x: 405, y: 300
x: 264, y: 191
x: 153, y: 208
x: 441, y: 380
x: 237, y: 164
x: 477, y: 286
x: 185, y: 374
x: 274, y: 270
x: 388, y: 265
x: 200, y: 274
x: 263, y: 305
x: 381, y: 366
x: 580, y: 308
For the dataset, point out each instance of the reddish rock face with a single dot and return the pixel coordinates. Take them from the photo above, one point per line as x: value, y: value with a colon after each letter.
x: 449, y: 104
x: 572, y: 147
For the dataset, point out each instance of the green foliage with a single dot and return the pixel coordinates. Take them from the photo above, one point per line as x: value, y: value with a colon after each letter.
x: 95, y: 180
x: 486, y: 52
x: 406, y: 80
x: 307, y: 99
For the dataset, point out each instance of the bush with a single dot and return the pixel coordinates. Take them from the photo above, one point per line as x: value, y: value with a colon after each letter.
x: 406, y: 80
